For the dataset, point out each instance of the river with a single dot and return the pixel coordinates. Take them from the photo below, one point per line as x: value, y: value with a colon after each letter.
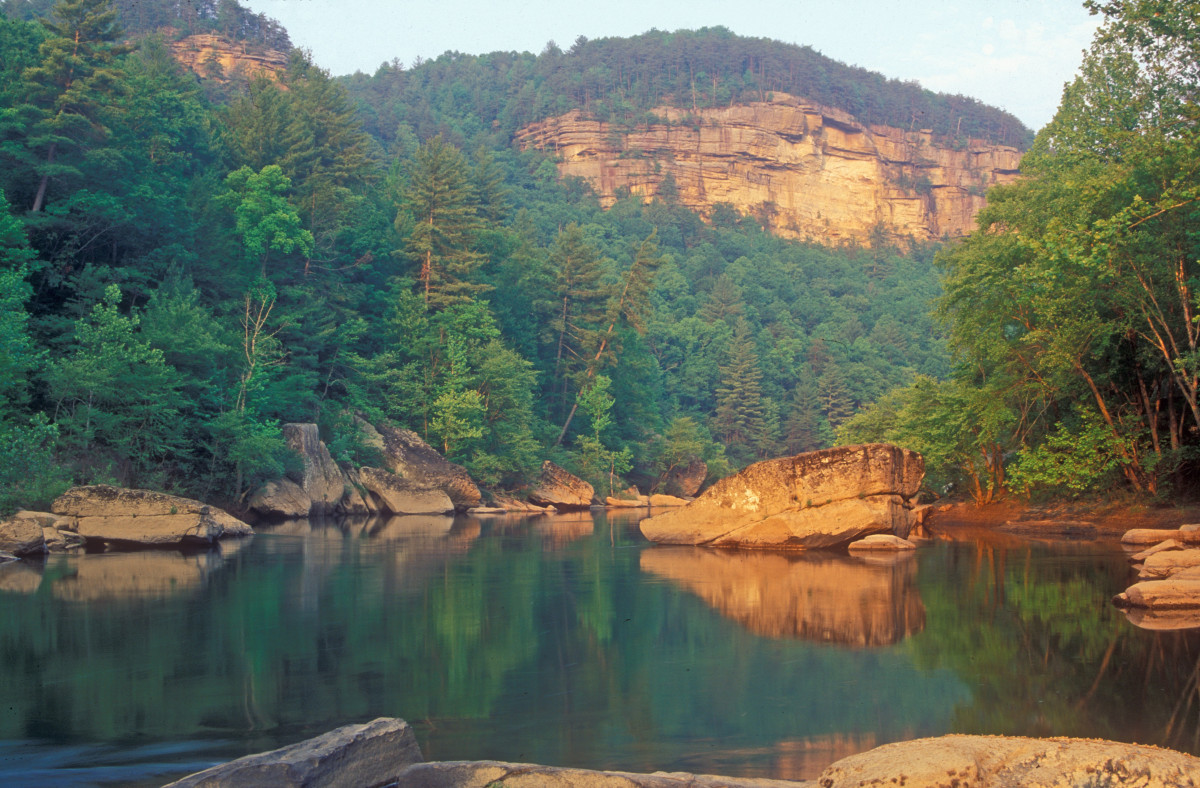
x: 568, y: 640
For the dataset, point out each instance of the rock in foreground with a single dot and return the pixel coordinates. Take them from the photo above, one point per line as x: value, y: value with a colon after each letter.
x: 116, y: 515
x: 353, y: 756
x: 996, y: 761
x: 823, y: 499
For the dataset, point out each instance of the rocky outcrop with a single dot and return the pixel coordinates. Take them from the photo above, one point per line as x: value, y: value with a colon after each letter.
x: 1003, y: 761
x: 408, y: 456
x: 119, y: 516
x: 823, y: 499
x: 1168, y: 595
x: 321, y: 479
x: 402, y: 496
x: 559, y: 488
x: 819, y: 596
x: 804, y: 170
x: 22, y: 536
x: 218, y: 58
x: 659, y: 501
x: 281, y: 498
x: 489, y: 774
x: 353, y: 756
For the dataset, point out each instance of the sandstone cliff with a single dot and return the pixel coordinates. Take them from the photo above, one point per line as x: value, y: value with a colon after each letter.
x: 806, y: 171
x: 216, y: 57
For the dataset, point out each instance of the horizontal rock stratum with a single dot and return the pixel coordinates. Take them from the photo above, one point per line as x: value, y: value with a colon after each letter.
x: 805, y: 171
x: 822, y: 499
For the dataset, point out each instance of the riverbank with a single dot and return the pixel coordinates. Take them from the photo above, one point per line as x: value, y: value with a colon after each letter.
x: 1061, y: 519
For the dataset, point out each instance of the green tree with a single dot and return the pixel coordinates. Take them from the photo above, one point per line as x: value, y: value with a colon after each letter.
x: 599, y: 464
x: 441, y: 202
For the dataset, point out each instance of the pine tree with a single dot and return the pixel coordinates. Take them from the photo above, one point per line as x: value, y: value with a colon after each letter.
x: 442, y: 204
x: 580, y: 301
x: 76, y: 77
x: 738, y: 421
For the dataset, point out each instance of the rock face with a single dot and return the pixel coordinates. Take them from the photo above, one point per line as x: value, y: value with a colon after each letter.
x: 823, y: 499
x: 401, y: 496
x: 322, y: 480
x: 996, y: 761
x: 560, y: 489
x: 216, y: 57
x: 411, y: 458
x: 353, y: 756
x: 114, y: 515
x: 806, y: 171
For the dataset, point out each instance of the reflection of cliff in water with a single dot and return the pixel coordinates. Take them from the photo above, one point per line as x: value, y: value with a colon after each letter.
x: 829, y: 598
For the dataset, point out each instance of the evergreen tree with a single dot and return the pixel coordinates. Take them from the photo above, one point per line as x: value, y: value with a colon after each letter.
x: 441, y: 202
x: 739, y: 418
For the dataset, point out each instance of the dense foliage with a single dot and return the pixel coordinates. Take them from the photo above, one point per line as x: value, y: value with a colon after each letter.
x: 180, y: 277
x: 1073, y: 308
x: 623, y: 79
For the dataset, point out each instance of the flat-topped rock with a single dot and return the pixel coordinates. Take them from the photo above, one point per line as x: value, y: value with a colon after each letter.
x: 1169, y: 562
x: 660, y: 501
x: 1140, y: 536
x: 822, y: 499
x: 117, y: 515
x: 561, y: 489
x: 486, y: 774
x: 1172, y: 593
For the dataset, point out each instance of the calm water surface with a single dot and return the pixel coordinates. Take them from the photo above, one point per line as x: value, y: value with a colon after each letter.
x: 571, y: 641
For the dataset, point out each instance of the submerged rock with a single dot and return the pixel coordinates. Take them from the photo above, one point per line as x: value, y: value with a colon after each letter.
x: 822, y: 499
x: 881, y: 542
x: 561, y: 489
x: 116, y: 515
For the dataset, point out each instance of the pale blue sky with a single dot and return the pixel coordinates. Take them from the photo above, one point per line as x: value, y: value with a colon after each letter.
x: 1015, y: 54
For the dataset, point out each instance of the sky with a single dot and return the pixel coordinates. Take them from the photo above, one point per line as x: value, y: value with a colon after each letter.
x: 1013, y: 54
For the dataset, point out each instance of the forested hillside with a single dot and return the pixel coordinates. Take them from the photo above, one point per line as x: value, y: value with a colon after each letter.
x: 1072, y: 310
x: 182, y: 271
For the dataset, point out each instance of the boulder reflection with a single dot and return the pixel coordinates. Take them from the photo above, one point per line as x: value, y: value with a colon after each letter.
x: 148, y: 574
x: 829, y: 598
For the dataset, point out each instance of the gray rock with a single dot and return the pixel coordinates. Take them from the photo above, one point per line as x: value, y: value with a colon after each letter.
x: 353, y: 756
x: 401, y: 496
x: 409, y: 457
x: 322, y: 480
x: 559, y: 488
x: 283, y: 499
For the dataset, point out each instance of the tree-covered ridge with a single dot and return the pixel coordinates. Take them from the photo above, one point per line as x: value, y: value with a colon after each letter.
x: 1073, y: 308
x: 623, y: 79
x: 184, y: 270
x: 187, y: 17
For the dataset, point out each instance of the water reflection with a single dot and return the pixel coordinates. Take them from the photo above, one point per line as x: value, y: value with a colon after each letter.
x: 822, y: 597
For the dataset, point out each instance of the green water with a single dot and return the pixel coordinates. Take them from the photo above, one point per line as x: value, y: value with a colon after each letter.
x: 568, y: 641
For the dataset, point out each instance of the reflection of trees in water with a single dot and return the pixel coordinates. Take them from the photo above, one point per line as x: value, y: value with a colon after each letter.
x: 1033, y: 633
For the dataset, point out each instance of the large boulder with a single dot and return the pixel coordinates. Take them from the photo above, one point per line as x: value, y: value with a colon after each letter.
x: 822, y: 499
x: 1003, y: 761
x: 322, y: 480
x: 282, y: 498
x: 402, y: 496
x: 353, y: 756
x: 408, y: 456
x: 22, y: 536
x: 116, y: 515
x: 559, y: 488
